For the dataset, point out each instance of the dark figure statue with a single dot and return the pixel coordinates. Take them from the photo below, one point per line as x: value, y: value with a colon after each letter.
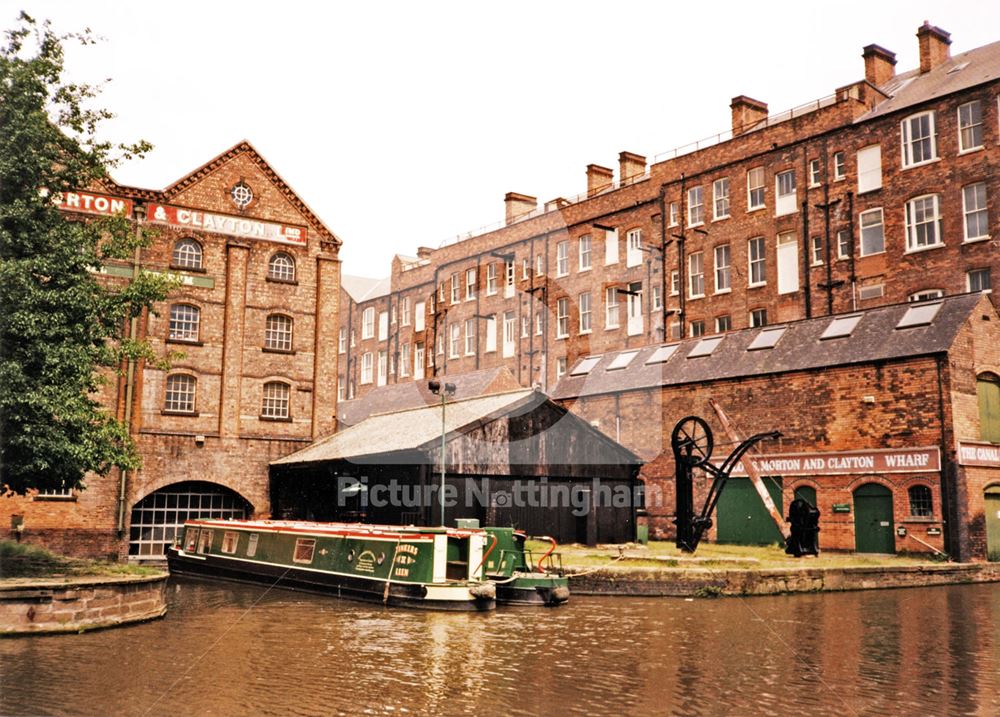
x: 804, y: 519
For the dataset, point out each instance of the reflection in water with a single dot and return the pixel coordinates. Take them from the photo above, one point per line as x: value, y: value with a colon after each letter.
x: 227, y: 649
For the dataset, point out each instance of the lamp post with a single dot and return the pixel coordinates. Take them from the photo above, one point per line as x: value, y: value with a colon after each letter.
x: 445, y: 390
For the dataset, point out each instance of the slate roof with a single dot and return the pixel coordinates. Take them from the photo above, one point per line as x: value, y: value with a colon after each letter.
x: 415, y: 394
x: 912, y: 88
x: 408, y: 430
x: 800, y: 348
x: 363, y: 288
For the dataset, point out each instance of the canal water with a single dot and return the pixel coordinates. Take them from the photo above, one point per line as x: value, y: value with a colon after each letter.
x: 229, y: 649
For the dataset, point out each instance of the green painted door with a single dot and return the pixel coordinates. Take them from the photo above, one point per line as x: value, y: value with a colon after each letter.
x: 993, y: 523
x: 873, y: 528
x: 741, y: 515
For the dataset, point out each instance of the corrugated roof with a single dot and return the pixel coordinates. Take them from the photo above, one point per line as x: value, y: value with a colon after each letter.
x: 408, y: 430
x: 415, y: 394
x: 800, y: 348
x: 912, y: 88
x: 363, y: 288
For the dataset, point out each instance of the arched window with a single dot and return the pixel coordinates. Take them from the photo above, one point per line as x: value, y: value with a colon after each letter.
x: 180, y: 394
x: 281, y: 267
x: 278, y: 333
x: 185, y: 322
x: 988, y: 389
x: 921, y: 505
x: 276, y: 400
x: 187, y: 254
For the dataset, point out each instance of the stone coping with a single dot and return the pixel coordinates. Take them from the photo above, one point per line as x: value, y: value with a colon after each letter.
x: 621, y: 579
x: 35, y: 606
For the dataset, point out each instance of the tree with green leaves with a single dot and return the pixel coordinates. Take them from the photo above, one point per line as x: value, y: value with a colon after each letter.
x: 61, y: 327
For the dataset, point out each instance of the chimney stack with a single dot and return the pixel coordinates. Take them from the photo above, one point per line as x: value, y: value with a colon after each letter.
x: 518, y: 205
x: 598, y: 179
x: 424, y: 252
x: 934, y: 48
x: 880, y: 64
x: 557, y: 203
x: 630, y: 166
x: 747, y: 112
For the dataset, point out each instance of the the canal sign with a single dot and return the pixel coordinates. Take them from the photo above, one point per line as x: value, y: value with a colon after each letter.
x: 979, y: 453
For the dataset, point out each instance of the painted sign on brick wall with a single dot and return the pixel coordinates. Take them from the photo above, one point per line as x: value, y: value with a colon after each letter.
x: 91, y: 203
x: 900, y: 460
x: 243, y: 227
x: 978, y: 453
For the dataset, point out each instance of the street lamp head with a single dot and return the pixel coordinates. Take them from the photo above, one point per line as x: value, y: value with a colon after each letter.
x: 438, y: 387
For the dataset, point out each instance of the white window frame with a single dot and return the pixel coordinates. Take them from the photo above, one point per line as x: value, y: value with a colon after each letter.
x: 720, y: 199
x: 755, y: 189
x: 454, y: 340
x: 491, y: 334
x: 562, y: 258
x: 276, y: 400
x: 525, y: 268
x: 419, y: 315
x: 491, y: 279
x: 509, y: 334
x: 869, y: 168
x: 816, y: 249
x: 383, y: 368
x: 633, y: 252
x: 383, y: 325
x: 278, y: 330
x: 470, y: 337
x: 562, y: 318
x: 696, y: 206
x: 908, y: 143
x: 815, y: 173
x: 456, y: 289
x: 926, y: 295
x: 404, y: 311
x: 342, y: 340
x: 404, y: 360
x: 723, y: 259
x: 971, y: 125
x: 584, y: 253
x: 786, y: 200
x: 674, y: 214
x: 633, y: 310
x: 418, y: 361
x: 675, y: 283
x: 788, y: 263
x: 867, y: 226
x: 839, y: 166
x: 470, y: 284
x: 977, y: 210
x: 758, y: 317
x: 981, y: 270
x: 844, y: 244
x: 656, y: 298
x: 756, y: 258
x: 719, y: 328
x: 610, y: 246
x: 696, y: 275
x: 180, y: 393
x: 612, y: 309
x: 584, y: 302
x: 508, y: 289
x: 368, y: 323
x: 912, y: 226
x: 367, y: 367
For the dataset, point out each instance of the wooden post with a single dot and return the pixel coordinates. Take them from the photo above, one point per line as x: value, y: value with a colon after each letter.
x: 752, y: 473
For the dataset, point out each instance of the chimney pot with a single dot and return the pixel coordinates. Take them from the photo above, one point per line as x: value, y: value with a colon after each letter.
x: 598, y: 179
x: 934, y: 46
x: 880, y: 64
x: 747, y: 112
x: 517, y: 205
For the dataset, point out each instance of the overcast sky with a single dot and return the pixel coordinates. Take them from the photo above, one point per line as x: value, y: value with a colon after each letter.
x: 404, y: 124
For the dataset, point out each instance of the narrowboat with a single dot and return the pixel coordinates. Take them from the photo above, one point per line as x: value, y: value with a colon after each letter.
x: 520, y: 578
x: 433, y: 568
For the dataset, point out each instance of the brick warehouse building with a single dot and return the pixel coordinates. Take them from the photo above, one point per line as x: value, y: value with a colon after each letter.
x: 883, y: 192
x: 255, y: 322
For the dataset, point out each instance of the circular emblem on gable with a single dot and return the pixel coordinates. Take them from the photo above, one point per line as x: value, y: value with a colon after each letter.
x: 241, y: 194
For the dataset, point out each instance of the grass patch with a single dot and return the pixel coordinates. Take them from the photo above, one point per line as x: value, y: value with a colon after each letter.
x: 20, y: 560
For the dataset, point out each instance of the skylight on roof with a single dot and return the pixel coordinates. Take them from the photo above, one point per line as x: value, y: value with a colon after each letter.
x: 584, y: 367
x: 841, y: 326
x: 622, y: 360
x: 662, y: 354
x: 958, y: 68
x: 767, y: 338
x: 919, y: 315
x: 705, y: 347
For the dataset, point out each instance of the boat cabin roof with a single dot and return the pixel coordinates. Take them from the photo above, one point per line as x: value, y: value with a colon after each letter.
x: 357, y: 530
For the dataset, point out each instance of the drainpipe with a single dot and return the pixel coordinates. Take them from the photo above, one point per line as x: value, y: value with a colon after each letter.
x: 850, y: 245
x: 682, y: 293
x: 807, y: 279
x: 348, y: 376
x: 479, y: 259
x: 946, y: 502
x: 618, y: 418
x: 133, y: 332
x: 663, y: 260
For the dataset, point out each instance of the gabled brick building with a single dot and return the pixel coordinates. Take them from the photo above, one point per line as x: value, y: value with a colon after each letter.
x: 254, y: 321
x: 878, y: 193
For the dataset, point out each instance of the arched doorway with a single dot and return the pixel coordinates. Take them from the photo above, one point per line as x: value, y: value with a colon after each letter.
x: 873, y: 524
x: 992, y: 505
x: 157, y: 518
x: 806, y: 493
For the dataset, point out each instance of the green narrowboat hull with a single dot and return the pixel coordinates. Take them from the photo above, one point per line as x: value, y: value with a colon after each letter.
x: 518, y: 580
x: 533, y: 589
x: 391, y: 565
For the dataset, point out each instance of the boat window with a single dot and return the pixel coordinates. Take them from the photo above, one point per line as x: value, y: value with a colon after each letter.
x: 252, y: 544
x: 304, y: 549
x: 230, y: 539
x: 192, y: 539
x: 205, y: 542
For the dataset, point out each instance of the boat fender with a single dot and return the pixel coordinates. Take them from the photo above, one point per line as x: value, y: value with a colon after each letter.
x: 483, y: 591
x: 559, y: 594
